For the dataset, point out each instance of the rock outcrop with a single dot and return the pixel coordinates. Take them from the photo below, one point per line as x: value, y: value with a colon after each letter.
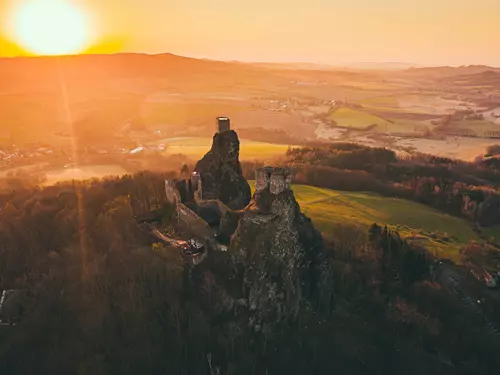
x: 274, y: 264
x: 220, y: 172
x: 279, y: 256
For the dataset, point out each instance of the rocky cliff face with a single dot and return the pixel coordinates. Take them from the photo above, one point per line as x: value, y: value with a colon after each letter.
x: 221, y: 173
x: 279, y: 257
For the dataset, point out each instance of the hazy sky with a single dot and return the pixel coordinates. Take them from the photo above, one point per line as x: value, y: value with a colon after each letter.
x: 430, y: 32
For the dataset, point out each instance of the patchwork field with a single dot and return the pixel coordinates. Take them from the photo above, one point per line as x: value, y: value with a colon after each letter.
x: 466, y: 148
x: 363, y: 119
x: 441, y: 233
x: 424, y: 103
x: 381, y: 102
x: 431, y: 104
x: 480, y: 128
x: 353, y: 118
x: 194, y: 147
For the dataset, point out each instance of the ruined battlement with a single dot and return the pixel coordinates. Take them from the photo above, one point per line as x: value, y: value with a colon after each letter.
x: 195, y: 179
x: 223, y: 124
x: 275, y: 179
x: 172, y: 192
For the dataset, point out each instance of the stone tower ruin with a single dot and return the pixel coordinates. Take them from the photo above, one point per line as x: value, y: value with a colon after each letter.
x: 196, y: 184
x: 223, y: 124
x: 172, y: 193
x: 274, y: 179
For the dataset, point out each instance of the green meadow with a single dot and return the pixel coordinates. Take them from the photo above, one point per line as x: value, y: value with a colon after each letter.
x: 442, y: 234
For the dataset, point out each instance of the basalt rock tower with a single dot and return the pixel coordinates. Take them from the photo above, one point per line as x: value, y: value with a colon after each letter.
x: 273, y: 264
x: 278, y: 250
x: 220, y: 170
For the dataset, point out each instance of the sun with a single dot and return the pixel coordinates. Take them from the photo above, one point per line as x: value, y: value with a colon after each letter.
x: 51, y: 27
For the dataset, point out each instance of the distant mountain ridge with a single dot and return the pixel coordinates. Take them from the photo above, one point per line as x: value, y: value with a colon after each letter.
x: 485, y: 78
x: 294, y: 65
x: 336, y: 66
x: 304, y: 65
x: 380, y: 65
x: 447, y: 71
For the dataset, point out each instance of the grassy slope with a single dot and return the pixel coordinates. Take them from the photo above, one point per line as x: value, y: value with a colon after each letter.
x: 329, y: 207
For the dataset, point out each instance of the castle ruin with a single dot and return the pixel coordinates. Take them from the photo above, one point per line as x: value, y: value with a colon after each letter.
x: 172, y: 192
x: 199, y: 200
x: 223, y: 124
x: 274, y: 179
x: 196, y: 185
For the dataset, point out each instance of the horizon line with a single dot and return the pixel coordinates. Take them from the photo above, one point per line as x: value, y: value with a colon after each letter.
x: 344, y: 64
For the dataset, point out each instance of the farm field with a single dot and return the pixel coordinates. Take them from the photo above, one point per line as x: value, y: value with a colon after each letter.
x: 83, y: 173
x: 414, y: 221
x: 465, y: 148
x: 349, y: 117
x: 480, y: 128
x: 196, y: 147
x: 429, y: 103
x: 380, y: 102
x: 403, y: 126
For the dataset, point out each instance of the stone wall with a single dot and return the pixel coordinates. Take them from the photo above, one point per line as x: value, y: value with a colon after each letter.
x: 172, y: 193
x: 195, y: 224
x: 195, y: 179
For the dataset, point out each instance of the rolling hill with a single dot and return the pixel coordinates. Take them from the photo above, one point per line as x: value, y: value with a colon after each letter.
x: 487, y: 78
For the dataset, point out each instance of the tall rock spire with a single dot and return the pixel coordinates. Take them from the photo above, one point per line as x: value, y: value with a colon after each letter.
x: 220, y: 170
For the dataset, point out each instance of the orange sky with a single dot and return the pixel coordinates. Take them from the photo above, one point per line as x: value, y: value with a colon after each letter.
x: 429, y: 32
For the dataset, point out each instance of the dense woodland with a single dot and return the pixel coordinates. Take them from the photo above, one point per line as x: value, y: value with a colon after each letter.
x: 104, y: 300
